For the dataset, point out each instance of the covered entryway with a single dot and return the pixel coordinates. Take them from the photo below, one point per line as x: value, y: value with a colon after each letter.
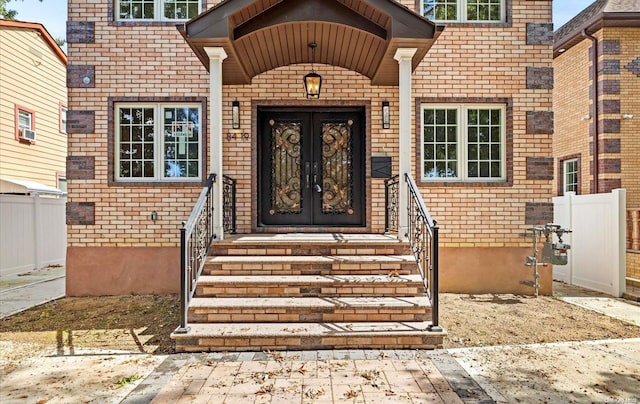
x: 311, y: 167
x: 238, y: 40
x: 309, y: 276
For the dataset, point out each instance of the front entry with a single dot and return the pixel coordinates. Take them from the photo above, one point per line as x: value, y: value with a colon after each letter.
x: 312, y: 167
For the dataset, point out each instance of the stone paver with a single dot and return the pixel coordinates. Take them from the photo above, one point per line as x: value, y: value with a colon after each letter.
x: 338, y: 376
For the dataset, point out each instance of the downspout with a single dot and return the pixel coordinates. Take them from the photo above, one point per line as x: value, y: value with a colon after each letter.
x: 596, y: 109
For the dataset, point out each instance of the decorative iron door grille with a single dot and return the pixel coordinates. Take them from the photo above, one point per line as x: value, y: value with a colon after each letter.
x: 311, y: 168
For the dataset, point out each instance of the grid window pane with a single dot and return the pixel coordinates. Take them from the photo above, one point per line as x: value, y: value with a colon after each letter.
x: 180, y: 9
x: 24, y: 119
x: 484, y: 10
x: 136, y: 151
x: 571, y: 175
x: 136, y: 9
x: 464, y: 142
x: 181, y: 141
x: 440, y: 10
x: 158, y: 9
x: 63, y: 120
x: 484, y: 148
x: 161, y: 142
x: 440, y: 148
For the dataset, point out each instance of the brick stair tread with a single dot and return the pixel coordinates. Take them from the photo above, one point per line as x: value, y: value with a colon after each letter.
x: 286, y: 281
x: 252, y: 330
x: 310, y: 259
x: 309, y: 238
x: 308, y: 302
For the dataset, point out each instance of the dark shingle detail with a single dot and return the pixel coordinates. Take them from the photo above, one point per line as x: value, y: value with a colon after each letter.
x: 609, y: 47
x: 80, y: 121
x: 81, y: 31
x: 539, y: 77
x: 81, y: 76
x: 539, y: 33
x: 609, y: 66
x: 81, y: 213
x: 538, y: 213
x: 634, y: 66
x: 539, y: 168
x: 539, y: 122
x: 80, y: 167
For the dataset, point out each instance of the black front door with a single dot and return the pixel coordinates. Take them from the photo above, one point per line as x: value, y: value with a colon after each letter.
x: 311, y: 167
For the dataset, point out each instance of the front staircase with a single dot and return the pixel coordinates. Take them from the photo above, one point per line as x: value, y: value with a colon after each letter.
x: 309, y: 291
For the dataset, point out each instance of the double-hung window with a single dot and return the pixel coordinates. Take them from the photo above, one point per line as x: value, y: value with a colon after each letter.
x: 63, y: 119
x: 158, y: 142
x: 157, y: 10
x: 25, y: 120
x: 463, y: 142
x: 570, y: 175
x: 464, y: 10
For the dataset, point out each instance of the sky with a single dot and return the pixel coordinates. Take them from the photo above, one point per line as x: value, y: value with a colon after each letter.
x: 53, y: 13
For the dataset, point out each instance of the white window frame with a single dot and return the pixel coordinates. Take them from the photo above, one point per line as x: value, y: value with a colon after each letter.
x: 462, y: 157
x: 462, y: 15
x: 565, y: 172
x: 158, y: 11
x: 158, y: 141
x: 28, y: 115
x: 63, y: 118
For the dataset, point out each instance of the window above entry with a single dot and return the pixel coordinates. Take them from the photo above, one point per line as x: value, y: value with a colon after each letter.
x: 157, y: 10
x: 473, y: 11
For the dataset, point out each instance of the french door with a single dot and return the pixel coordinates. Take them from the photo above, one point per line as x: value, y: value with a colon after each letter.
x: 311, y: 167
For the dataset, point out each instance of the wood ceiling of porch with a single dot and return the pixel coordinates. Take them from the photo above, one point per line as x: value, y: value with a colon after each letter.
x: 359, y: 35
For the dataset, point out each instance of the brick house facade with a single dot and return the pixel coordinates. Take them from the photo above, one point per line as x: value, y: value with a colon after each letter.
x: 490, y: 74
x: 595, y: 146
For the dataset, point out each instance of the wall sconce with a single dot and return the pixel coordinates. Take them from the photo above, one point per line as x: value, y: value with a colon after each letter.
x: 386, y: 115
x: 312, y: 81
x: 154, y: 215
x: 586, y: 117
x: 86, y: 80
x: 235, y: 114
x: 627, y: 116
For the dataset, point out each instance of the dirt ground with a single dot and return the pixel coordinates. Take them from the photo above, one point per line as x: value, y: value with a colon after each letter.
x: 144, y: 323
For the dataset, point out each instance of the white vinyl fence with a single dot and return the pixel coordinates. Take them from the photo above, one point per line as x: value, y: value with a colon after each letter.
x: 597, y: 258
x: 33, y: 233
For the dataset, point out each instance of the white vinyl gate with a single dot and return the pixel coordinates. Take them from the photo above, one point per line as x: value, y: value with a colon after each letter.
x: 33, y: 233
x: 597, y: 258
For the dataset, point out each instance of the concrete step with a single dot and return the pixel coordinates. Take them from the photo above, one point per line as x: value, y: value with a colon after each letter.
x: 311, y: 265
x: 310, y: 285
x: 307, y: 336
x: 308, y: 309
x: 309, y: 244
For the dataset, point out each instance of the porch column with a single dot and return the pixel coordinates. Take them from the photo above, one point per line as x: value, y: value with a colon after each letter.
x: 404, y: 56
x: 216, y: 56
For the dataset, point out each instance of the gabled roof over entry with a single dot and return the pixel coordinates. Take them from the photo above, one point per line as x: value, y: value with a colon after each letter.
x: 359, y: 35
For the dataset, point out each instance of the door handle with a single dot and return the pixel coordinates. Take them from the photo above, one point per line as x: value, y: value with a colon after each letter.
x: 316, y: 186
x: 307, y: 174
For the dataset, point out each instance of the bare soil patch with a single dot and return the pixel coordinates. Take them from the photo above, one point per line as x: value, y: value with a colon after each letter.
x: 144, y: 323
x: 484, y: 320
x: 129, y: 323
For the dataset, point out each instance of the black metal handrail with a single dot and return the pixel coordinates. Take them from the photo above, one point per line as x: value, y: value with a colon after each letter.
x: 195, y: 238
x: 228, y: 204
x: 391, y: 193
x: 422, y: 232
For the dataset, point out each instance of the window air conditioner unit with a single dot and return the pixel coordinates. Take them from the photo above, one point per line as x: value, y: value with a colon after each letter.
x: 28, y: 134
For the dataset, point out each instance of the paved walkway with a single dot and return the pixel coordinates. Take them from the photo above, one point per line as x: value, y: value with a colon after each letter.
x: 21, y: 292
x: 588, y: 371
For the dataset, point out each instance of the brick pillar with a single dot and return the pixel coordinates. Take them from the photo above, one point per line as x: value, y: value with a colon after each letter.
x: 216, y: 57
x: 404, y: 56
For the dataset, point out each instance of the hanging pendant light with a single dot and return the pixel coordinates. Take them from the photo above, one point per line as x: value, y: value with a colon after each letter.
x: 312, y: 81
